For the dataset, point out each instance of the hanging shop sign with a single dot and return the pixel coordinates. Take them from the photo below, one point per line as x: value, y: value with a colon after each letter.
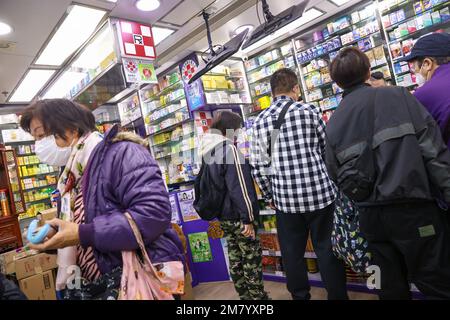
x: 195, y: 95
x: 139, y: 71
x: 200, y: 247
x: 186, y: 201
x: 136, y: 40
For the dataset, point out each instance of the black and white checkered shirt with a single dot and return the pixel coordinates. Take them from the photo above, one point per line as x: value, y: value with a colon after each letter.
x: 296, y: 179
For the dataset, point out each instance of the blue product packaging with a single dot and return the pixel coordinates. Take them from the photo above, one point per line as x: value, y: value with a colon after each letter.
x: 418, y: 7
x: 427, y: 4
x: 401, y: 15
x: 325, y: 33
x: 320, y: 50
x: 445, y: 14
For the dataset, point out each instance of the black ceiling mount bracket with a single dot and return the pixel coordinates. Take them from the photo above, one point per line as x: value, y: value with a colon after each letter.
x: 265, y: 6
x: 208, y: 32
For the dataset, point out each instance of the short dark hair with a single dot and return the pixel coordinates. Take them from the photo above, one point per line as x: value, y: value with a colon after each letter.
x: 377, y: 75
x: 283, y: 81
x: 58, y: 115
x: 439, y: 60
x: 350, y: 68
x: 226, y: 120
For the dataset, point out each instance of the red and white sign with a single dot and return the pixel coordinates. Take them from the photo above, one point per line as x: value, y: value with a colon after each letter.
x: 136, y: 40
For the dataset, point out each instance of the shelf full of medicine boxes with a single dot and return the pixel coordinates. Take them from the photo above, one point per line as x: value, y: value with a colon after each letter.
x: 174, y: 130
x: 259, y: 69
x: 406, y: 21
x: 318, y: 46
x: 169, y: 126
x: 37, y: 180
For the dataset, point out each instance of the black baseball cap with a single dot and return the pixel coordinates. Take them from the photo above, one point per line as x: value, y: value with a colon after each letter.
x: 431, y: 45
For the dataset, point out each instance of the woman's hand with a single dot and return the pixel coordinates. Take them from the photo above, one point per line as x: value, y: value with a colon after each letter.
x: 249, y: 231
x: 66, y: 236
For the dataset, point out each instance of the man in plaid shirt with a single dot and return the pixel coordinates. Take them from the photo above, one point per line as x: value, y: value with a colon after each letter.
x: 294, y: 180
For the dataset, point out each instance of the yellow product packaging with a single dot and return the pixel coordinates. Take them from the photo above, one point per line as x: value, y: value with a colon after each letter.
x: 264, y: 102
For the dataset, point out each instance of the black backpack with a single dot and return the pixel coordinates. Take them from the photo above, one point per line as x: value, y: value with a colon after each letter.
x: 209, y: 194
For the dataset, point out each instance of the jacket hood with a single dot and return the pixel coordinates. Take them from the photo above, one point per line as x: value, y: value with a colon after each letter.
x: 208, y: 142
x: 114, y: 135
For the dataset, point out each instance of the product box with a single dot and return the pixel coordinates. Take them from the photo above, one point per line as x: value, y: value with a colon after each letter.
x: 34, y: 264
x: 39, y: 287
x: 412, y: 26
x: 401, y: 15
x: 418, y: 7
x: 427, y: 21
x: 8, y: 259
x: 379, y: 55
x: 396, y: 50
x: 436, y: 17
x: 355, y: 17
x: 386, y: 21
x: 445, y: 14
x: 393, y: 17
x: 420, y: 23
x: 427, y: 4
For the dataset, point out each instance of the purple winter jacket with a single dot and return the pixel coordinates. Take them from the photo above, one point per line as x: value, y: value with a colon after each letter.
x: 122, y: 176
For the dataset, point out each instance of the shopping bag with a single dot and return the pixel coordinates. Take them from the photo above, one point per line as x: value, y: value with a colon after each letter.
x: 141, y: 280
x: 347, y: 241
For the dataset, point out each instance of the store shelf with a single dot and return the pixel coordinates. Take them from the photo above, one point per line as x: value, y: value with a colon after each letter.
x: 30, y: 203
x: 179, y: 184
x: 260, y: 80
x: 329, y: 109
x: 166, y: 116
x: 170, y: 128
x: 266, y: 64
x: 107, y: 122
x: 332, y: 36
x: 180, y: 138
x: 26, y: 154
x: 402, y: 73
x: 395, y: 7
x: 163, y: 92
x: 213, y: 74
x: 310, y: 72
x: 37, y: 188
x: 40, y: 174
x: 379, y: 66
x: 435, y: 7
x: 420, y: 32
x: 361, y: 38
x: 27, y: 218
x: 15, y: 143
x: 363, y: 21
x: 262, y: 95
x: 320, y: 86
x: 224, y: 90
x: 319, y: 56
x: 174, y: 153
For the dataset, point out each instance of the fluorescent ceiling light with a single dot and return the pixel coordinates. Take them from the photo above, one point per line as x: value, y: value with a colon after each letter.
x: 96, y: 51
x: 64, y: 84
x: 307, y: 16
x: 147, y: 5
x: 112, y: 1
x: 31, y: 84
x: 159, y: 34
x: 339, y: 2
x: 5, y: 28
x: 76, y: 28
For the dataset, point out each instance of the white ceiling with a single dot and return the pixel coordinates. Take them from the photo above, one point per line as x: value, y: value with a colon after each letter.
x: 34, y: 20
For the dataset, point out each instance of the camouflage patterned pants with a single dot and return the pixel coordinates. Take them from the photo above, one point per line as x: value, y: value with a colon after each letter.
x: 245, y: 262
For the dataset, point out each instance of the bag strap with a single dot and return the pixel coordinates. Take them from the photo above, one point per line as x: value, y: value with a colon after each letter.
x: 140, y: 242
x: 278, y: 124
x: 372, y: 118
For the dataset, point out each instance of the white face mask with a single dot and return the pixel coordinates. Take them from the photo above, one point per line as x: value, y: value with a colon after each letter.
x: 50, y: 153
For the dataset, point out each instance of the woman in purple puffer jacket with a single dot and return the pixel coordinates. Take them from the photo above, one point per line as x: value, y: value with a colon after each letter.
x: 104, y: 177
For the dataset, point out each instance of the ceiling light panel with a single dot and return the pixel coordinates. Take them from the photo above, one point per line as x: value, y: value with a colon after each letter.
x: 30, y: 85
x: 77, y: 27
x: 159, y: 34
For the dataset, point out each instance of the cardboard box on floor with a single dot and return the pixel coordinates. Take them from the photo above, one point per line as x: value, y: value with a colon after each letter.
x: 39, y: 287
x: 26, y: 263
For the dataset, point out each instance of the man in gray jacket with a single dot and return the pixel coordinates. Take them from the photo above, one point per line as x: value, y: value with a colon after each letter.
x: 385, y: 150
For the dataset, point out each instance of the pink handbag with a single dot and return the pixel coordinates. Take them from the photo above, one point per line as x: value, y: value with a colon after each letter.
x: 141, y: 280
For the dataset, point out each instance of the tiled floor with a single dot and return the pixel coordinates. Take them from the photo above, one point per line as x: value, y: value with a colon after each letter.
x: 276, y: 290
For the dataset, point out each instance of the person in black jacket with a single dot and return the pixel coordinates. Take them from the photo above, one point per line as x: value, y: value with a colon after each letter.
x: 385, y: 148
x: 9, y: 290
x: 240, y: 209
